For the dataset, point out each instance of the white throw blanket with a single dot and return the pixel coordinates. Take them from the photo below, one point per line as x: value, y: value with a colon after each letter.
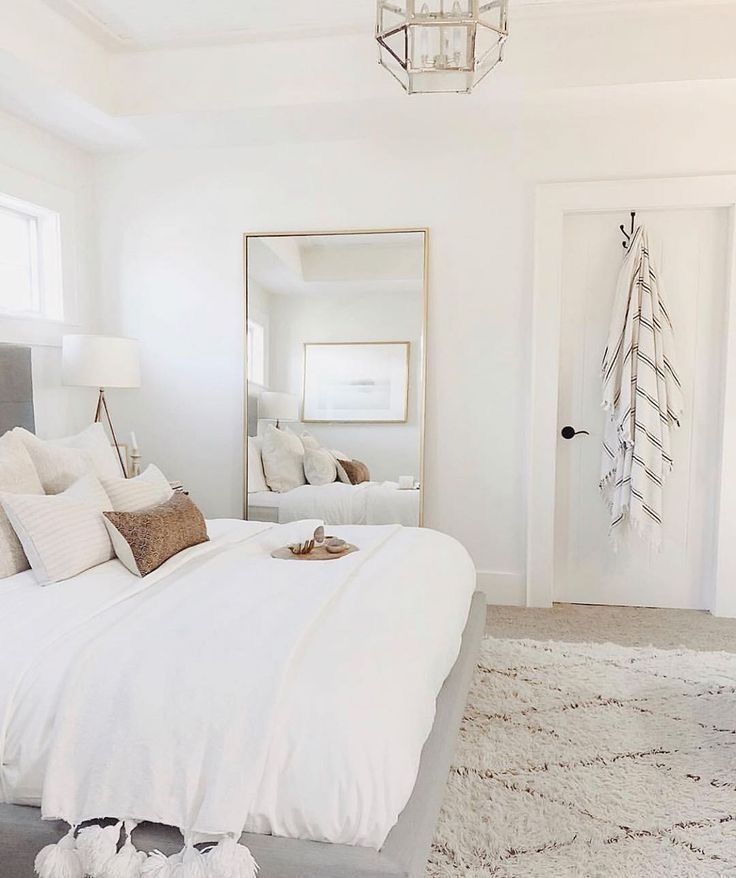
x: 135, y: 739
x: 642, y: 396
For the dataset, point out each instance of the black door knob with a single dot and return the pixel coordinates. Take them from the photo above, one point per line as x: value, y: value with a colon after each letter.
x: 571, y: 433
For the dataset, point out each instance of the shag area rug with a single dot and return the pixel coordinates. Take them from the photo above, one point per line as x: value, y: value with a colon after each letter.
x: 593, y: 761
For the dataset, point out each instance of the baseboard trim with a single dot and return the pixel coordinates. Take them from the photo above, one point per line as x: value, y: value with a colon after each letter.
x: 507, y: 589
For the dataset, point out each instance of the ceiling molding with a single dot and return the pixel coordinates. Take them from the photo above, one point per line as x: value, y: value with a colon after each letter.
x: 114, y: 38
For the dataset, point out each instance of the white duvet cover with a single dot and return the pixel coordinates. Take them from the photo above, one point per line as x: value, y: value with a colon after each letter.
x: 230, y: 691
x: 367, y: 503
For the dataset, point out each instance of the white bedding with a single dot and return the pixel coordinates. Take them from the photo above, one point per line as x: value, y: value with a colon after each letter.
x: 360, y: 655
x: 338, y: 503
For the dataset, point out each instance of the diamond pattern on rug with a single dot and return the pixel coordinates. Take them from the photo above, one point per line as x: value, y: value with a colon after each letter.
x: 593, y: 760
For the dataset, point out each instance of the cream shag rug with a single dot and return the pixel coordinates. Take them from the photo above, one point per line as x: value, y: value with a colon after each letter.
x: 593, y: 760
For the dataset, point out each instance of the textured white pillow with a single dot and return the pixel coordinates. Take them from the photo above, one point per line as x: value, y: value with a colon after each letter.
x: 61, y: 462
x: 17, y: 476
x: 150, y: 488
x: 62, y: 534
x: 283, y: 460
x: 256, y: 475
x: 320, y: 467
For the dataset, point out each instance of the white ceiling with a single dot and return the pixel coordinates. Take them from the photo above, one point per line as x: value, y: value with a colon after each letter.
x: 139, y: 24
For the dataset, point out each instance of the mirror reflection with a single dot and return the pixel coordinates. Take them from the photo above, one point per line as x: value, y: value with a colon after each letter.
x: 335, y: 377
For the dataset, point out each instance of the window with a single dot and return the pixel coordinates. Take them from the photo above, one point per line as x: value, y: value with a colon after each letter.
x: 256, y: 343
x: 30, y: 260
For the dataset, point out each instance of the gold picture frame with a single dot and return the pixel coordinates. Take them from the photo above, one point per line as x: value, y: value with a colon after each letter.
x: 346, y: 344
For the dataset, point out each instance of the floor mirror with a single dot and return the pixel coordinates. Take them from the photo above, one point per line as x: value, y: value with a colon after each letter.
x: 335, y: 376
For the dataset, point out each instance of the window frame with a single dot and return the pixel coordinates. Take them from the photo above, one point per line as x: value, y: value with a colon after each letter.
x: 46, y: 268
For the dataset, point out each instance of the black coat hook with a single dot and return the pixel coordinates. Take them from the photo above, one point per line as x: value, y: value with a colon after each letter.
x: 628, y: 235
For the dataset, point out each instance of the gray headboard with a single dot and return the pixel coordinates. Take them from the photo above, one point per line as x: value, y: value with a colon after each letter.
x: 16, y: 388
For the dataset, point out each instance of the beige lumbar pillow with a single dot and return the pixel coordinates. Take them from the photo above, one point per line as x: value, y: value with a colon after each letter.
x: 283, y: 460
x: 144, y: 540
x: 17, y: 476
x: 150, y: 488
x: 62, y: 534
x: 61, y: 462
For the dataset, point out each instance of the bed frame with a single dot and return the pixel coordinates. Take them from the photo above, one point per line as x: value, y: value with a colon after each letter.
x: 23, y: 833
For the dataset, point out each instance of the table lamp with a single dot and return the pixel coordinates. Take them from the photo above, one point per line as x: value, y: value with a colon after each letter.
x: 103, y: 362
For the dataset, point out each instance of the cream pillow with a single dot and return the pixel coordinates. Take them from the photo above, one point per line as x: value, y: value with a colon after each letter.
x: 283, y: 460
x: 17, y: 476
x: 150, y: 488
x: 320, y: 467
x: 61, y: 462
x: 256, y: 475
x: 62, y: 534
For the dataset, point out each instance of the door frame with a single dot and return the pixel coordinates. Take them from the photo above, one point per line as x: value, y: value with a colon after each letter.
x: 554, y: 201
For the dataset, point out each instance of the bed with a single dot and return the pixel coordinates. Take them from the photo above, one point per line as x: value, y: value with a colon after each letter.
x: 338, y: 503
x: 355, y: 762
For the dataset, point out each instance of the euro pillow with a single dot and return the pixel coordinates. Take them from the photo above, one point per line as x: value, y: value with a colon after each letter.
x: 144, y: 540
x: 17, y: 476
x: 283, y: 460
x: 256, y: 474
x: 150, y: 488
x: 61, y: 462
x: 62, y: 534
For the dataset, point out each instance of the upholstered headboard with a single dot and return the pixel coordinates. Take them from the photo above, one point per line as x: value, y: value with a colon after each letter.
x: 16, y: 388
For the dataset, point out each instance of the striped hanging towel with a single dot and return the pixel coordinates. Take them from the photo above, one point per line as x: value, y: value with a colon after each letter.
x: 642, y: 396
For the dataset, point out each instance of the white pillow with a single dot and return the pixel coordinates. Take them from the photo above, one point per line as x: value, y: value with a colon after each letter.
x: 256, y: 475
x: 62, y: 534
x: 283, y: 460
x: 61, y: 462
x: 17, y: 476
x: 150, y: 488
x: 320, y: 467
x: 94, y: 443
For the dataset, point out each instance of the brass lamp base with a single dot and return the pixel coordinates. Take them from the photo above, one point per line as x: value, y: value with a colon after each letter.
x: 99, y: 411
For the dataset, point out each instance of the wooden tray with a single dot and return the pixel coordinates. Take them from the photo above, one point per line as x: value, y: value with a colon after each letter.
x: 317, y: 554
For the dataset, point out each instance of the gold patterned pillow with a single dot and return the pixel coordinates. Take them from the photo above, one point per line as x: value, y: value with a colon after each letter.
x: 143, y: 540
x: 357, y: 471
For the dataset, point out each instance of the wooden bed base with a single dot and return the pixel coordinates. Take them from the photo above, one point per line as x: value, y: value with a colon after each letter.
x: 23, y: 833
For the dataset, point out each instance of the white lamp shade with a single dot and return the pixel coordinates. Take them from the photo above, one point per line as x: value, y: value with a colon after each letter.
x: 278, y: 406
x: 100, y: 361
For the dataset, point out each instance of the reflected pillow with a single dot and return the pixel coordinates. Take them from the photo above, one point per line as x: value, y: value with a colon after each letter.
x: 320, y: 467
x: 356, y: 471
x: 61, y: 462
x: 150, y: 488
x: 17, y: 476
x: 144, y: 540
x: 256, y: 475
x: 63, y: 534
x: 283, y: 460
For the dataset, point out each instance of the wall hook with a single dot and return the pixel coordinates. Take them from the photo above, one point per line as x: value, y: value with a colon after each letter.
x: 630, y: 234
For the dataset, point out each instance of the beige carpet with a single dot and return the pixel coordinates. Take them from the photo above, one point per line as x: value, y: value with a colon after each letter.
x: 593, y: 760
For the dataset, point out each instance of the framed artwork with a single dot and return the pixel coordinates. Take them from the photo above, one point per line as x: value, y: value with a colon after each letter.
x: 356, y: 382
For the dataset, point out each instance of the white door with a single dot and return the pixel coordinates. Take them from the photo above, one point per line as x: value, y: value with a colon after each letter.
x: 690, y: 249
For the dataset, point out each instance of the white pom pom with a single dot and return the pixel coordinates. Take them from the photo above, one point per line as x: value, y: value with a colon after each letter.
x: 229, y: 859
x: 60, y: 860
x: 158, y: 865
x: 127, y: 863
x: 193, y: 864
x: 97, y: 845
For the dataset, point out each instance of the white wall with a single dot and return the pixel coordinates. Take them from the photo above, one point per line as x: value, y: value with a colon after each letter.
x: 389, y: 450
x: 41, y: 168
x: 171, y: 223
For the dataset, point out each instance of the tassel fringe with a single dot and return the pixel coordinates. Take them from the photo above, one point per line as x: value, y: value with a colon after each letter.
x: 97, y: 852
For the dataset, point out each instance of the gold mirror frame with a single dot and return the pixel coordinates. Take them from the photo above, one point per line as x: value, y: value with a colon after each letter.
x: 424, y: 232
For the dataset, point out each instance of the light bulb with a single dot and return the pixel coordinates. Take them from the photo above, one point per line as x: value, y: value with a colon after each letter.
x: 457, y: 36
x: 424, y: 39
